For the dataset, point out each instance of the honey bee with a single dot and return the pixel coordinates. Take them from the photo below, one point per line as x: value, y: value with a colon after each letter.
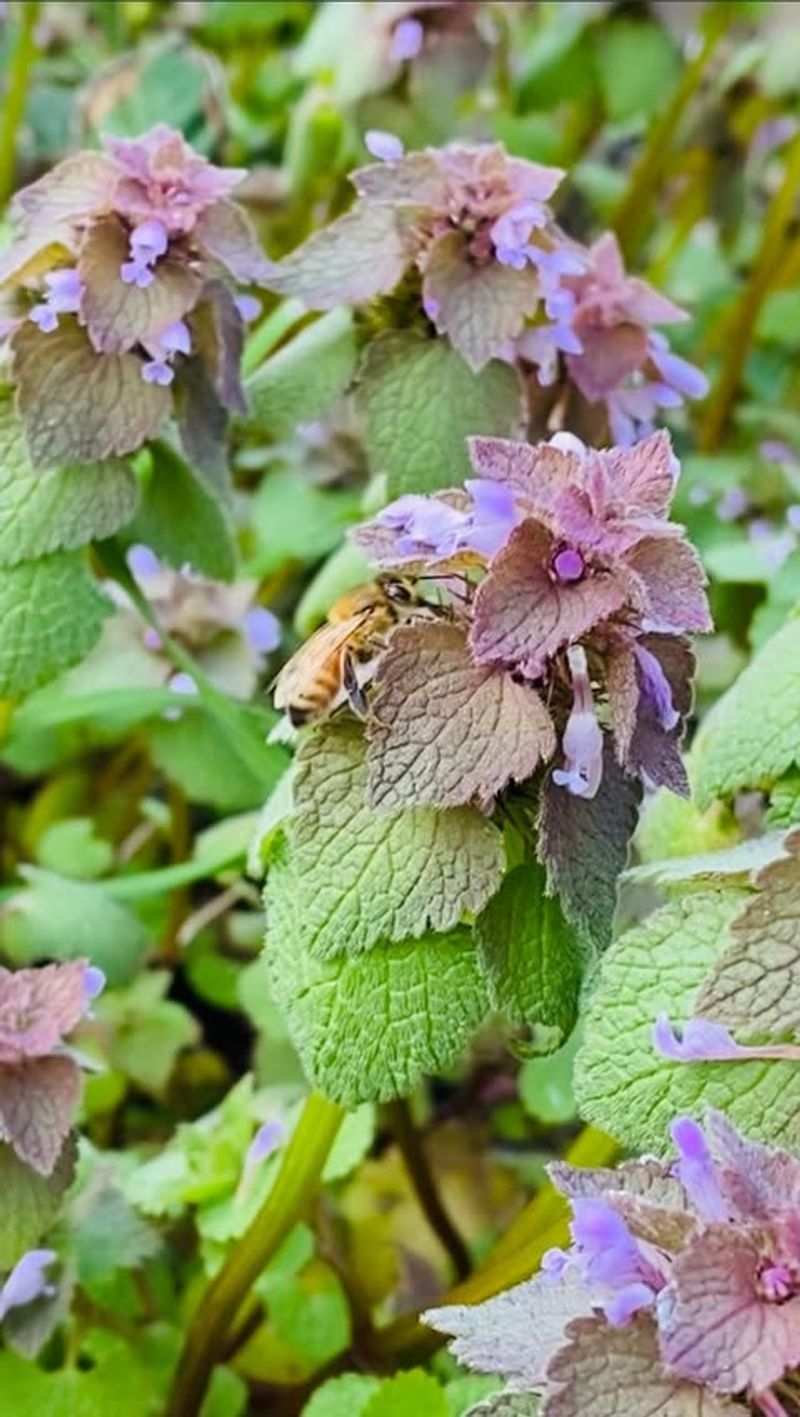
x: 324, y: 671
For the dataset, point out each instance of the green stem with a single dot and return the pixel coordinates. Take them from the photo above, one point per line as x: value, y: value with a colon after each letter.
x: 271, y: 330
x: 764, y: 274
x: 636, y: 207
x: 517, y: 1255
x: 18, y: 79
x: 412, y: 1150
x: 294, y: 1189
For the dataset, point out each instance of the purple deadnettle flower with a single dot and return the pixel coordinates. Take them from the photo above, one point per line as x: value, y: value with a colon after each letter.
x: 688, y: 1270
x: 27, y: 1281
x: 473, y: 221
x: 228, y: 635
x: 703, y: 1041
x: 407, y: 40
x: 575, y: 583
x: 145, y: 215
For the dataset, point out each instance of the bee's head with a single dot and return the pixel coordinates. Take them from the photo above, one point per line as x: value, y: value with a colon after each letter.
x: 399, y: 592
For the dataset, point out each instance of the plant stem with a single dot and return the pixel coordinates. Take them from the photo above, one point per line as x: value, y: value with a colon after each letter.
x: 636, y: 207
x: 271, y: 330
x: 295, y: 1185
x: 18, y: 78
x: 765, y: 271
x: 416, y: 1162
x: 541, y: 1226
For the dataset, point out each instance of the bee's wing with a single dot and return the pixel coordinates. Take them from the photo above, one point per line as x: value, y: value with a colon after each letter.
x: 313, y: 656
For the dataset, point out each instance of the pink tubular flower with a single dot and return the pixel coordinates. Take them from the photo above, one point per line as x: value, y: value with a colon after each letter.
x: 162, y: 179
x: 583, y: 738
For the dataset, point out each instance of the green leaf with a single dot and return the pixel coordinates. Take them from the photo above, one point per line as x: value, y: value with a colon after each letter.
x: 408, y: 1395
x: 532, y: 957
x: 508, y: 1404
x: 117, y: 1383
x: 294, y: 522
x: 345, y: 568
x: 463, y: 1392
x: 62, y: 508
x: 72, y: 848
x: 421, y: 402
x: 342, y: 1397
x: 57, y: 918
x: 366, y: 876
x: 182, y: 520
x: 624, y: 1085
x: 30, y: 1202
x: 310, y: 1313
x: 751, y: 738
x: 107, y: 1235
x: 638, y: 65
x: 196, y: 752
x: 305, y: 376
x: 147, y: 1031
x: 784, y: 802
x: 51, y: 613
x: 546, y: 1085
x: 368, y: 1027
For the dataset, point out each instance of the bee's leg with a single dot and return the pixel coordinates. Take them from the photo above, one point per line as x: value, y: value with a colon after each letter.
x: 355, y: 694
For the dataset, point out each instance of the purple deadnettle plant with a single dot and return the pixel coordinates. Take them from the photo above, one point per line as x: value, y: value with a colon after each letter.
x: 126, y: 264
x: 680, y: 1291
x: 39, y: 1078
x: 475, y: 224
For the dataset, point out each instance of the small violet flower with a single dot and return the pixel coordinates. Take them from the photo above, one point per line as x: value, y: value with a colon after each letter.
x: 583, y: 738
x: 148, y: 242
x: 27, y: 1281
x: 695, y: 1169
x: 64, y: 290
x: 384, y: 146
x: 407, y: 40
x: 175, y: 339
x: 704, y: 1041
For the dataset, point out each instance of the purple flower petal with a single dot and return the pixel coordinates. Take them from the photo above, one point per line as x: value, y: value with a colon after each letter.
x: 44, y: 317
x: 680, y: 374
x: 695, y: 1169
x: 385, y: 146
x: 582, y: 742
x: 175, y: 339
x: 267, y: 1139
x: 182, y: 683
x: 656, y: 687
x: 64, y: 290
x: 27, y: 1281
x: 569, y: 565
x: 407, y: 40
x: 133, y: 273
x: 94, y: 982
x: 263, y: 630
x: 142, y: 562
x: 157, y: 372
x: 249, y: 307
x: 148, y: 241
x: 620, y: 1309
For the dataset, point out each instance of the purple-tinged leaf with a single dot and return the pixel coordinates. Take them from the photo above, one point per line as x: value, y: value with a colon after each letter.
x: 118, y: 316
x: 80, y: 406
x: 38, y: 1099
x: 606, y: 1372
x: 516, y: 1333
x: 609, y: 357
x: 583, y: 843
x: 39, y: 1007
x: 674, y: 583
x: 225, y: 233
x: 523, y: 614
x: 446, y: 731
x: 77, y: 187
x: 479, y: 307
x: 721, y: 1324
x: 218, y: 340
x: 361, y: 255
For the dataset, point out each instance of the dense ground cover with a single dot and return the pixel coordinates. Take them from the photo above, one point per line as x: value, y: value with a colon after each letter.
x: 399, y: 709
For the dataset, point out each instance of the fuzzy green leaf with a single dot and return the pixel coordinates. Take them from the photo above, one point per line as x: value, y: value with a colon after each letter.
x: 51, y: 614
x: 62, y: 508
x: 368, y: 1027
x: 293, y: 521
x: 58, y: 918
x: 304, y: 377
x: 421, y: 402
x: 346, y: 1396
x: 195, y: 752
x: 366, y: 876
x: 623, y: 1084
x: 752, y: 735
x: 533, y: 959
x: 30, y: 1202
x: 182, y: 520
